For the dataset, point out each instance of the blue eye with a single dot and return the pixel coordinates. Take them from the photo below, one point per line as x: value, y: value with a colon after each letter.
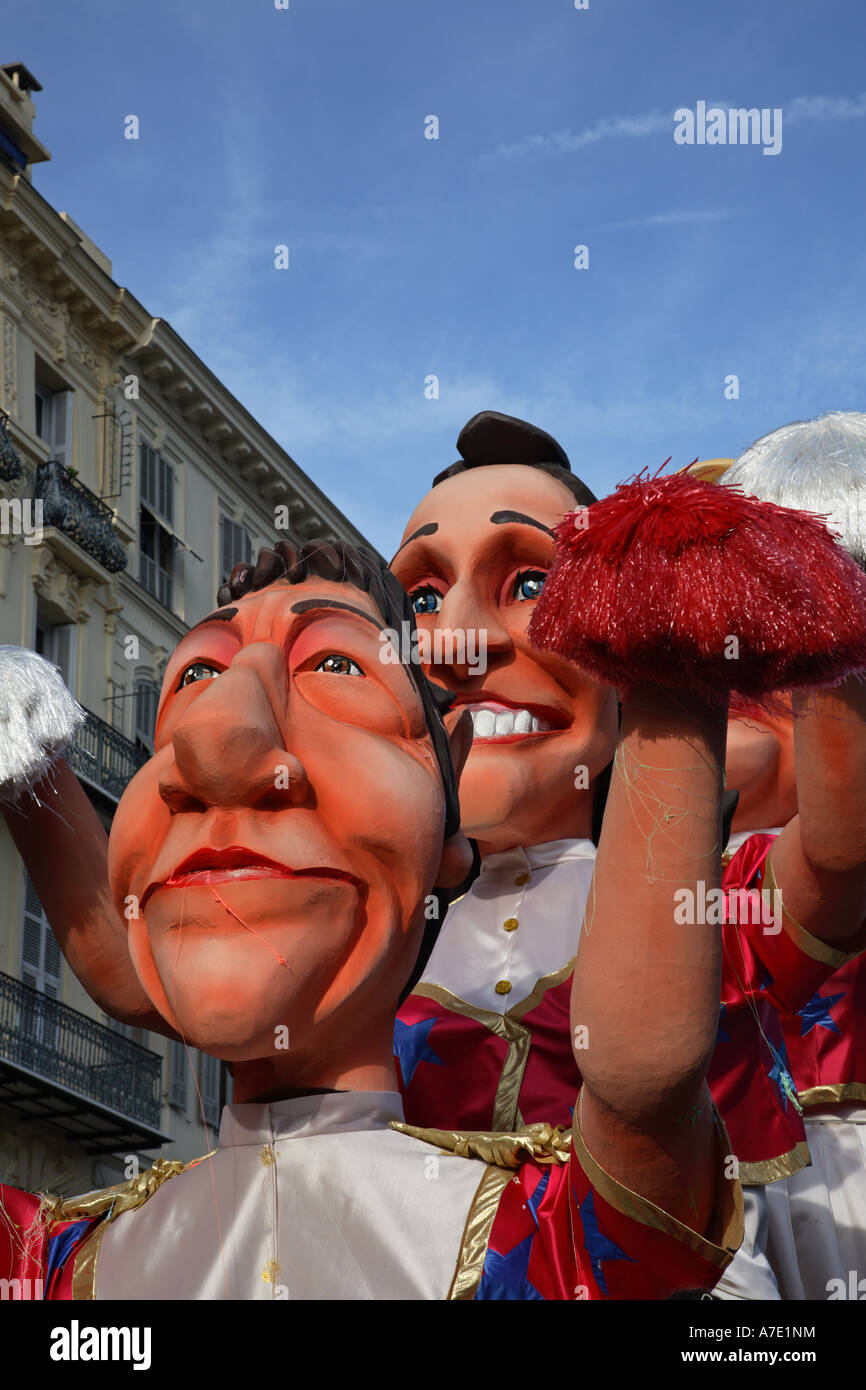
x: 529, y: 584
x: 426, y: 600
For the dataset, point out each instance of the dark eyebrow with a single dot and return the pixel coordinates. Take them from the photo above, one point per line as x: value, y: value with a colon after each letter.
x: 222, y: 615
x: 506, y: 518
x: 429, y: 530
x: 308, y: 604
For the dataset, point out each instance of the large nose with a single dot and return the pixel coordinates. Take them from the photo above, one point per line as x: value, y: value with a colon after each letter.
x: 468, y: 611
x: 229, y: 748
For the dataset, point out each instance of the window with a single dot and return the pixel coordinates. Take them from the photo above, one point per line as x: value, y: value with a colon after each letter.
x: 53, y: 414
x: 146, y: 702
x: 235, y: 545
x: 40, y: 968
x: 56, y: 642
x: 123, y: 1030
x: 210, y: 1088
x: 157, y: 483
x: 179, y: 1072
x: 156, y: 516
x: 156, y: 555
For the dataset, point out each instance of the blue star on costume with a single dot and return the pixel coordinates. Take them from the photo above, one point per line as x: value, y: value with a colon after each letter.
x: 721, y: 1035
x: 61, y: 1246
x: 411, y: 1046
x: 816, y: 1014
x: 598, y: 1246
x: 780, y: 1075
x: 505, y: 1276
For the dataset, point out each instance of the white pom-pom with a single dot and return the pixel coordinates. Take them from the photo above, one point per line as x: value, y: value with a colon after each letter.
x: 813, y: 465
x: 38, y: 718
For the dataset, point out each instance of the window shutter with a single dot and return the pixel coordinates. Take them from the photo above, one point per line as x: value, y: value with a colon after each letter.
x: 210, y: 1088
x: 60, y: 440
x: 226, y: 546
x: 235, y: 545
x: 146, y: 701
x: 31, y: 947
x: 166, y: 490
x: 40, y: 968
x: 179, y: 1074
x: 63, y: 653
x: 146, y: 465
x: 40, y: 953
x: 51, y: 961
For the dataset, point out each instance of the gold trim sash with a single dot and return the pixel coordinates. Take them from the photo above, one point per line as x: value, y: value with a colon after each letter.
x: 726, y: 1225
x: 109, y: 1203
x: 833, y: 1092
x: 764, y: 1170
x: 510, y: 1028
x: 810, y: 945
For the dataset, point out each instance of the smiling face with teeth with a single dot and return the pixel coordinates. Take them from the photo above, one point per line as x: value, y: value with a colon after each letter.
x: 474, y: 556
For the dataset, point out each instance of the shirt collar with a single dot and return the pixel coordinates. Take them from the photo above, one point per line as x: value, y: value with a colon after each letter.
x: 537, y: 856
x: 304, y: 1116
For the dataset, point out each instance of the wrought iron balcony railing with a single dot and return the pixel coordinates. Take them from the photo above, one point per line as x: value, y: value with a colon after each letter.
x: 80, y: 514
x: 103, y: 757
x: 10, y: 464
x: 47, y: 1039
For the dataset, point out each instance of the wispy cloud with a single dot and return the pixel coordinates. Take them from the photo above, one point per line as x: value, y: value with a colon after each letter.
x: 671, y: 219
x: 798, y: 109
x: 607, y: 128
x: 825, y: 108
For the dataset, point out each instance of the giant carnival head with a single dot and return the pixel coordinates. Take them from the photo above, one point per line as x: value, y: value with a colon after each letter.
x: 274, y: 856
x: 474, y: 558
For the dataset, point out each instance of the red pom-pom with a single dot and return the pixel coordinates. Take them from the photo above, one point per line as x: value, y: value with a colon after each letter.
x: 677, y: 582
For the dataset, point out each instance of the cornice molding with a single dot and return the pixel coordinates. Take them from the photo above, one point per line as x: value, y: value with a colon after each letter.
x: 85, y: 313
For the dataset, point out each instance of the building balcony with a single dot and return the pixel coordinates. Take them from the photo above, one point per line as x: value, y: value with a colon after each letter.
x: 103, y: 758
x: 10, y: 464
x: 76, y: 511
x: 68, y: 1072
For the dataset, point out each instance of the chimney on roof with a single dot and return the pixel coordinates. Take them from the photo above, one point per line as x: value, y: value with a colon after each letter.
x: 19, y: 148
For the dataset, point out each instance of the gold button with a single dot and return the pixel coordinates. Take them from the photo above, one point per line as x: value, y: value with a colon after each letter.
x: 521, y: 879
x: 511, y: 924
x: 503, y: 987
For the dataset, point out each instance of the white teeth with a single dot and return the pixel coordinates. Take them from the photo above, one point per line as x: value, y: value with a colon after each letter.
x: 490, y: 724
x: 483, y: 723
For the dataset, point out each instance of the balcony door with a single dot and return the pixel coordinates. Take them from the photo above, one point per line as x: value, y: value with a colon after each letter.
x: 56, y: 642
x: 40, y: 969
x: 54, y: 420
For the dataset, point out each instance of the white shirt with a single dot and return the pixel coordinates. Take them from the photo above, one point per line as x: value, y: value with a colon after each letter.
x: 313, y: 1198
x: 544, y: 890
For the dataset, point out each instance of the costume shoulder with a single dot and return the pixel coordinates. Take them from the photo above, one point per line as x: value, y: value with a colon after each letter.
x: 44, y: 1239
x: 765, y: 951
x: 548, y: 1223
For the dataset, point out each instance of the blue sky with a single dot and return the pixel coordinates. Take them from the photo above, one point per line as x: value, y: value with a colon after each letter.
x: 454, y: 257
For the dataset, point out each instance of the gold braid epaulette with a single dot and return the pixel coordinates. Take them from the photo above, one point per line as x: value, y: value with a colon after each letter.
x: 543, y: 1142
x: 122, y: 1197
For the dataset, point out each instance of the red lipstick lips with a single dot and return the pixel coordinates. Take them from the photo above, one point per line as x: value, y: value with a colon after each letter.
x: 233, y: 863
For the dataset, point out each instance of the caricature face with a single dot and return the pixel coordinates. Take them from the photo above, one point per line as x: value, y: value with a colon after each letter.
x: 477, y: 566
x: 759, y: 764
x: 282, y: 837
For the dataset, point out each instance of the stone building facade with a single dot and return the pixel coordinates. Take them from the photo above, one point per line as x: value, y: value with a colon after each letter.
x: 152, y: 481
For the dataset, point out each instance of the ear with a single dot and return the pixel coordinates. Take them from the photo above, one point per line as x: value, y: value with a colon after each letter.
x: 456, y: 851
